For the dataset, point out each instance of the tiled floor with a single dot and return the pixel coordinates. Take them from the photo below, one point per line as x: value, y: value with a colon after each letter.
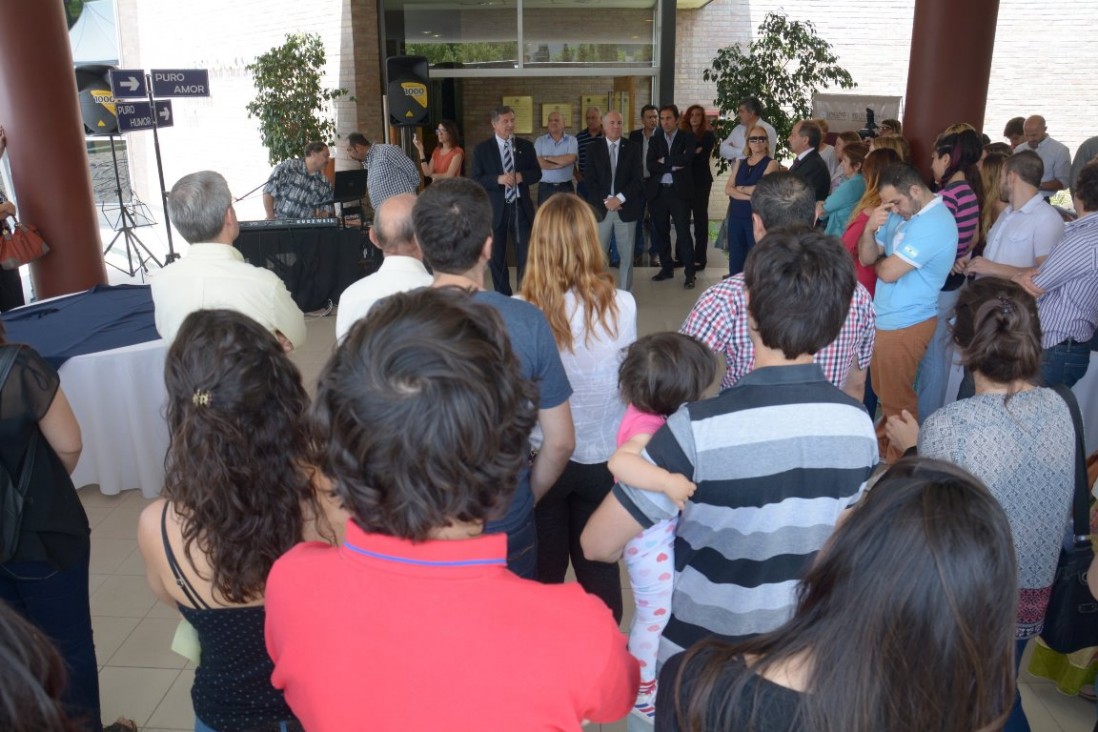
x: 142, y: 679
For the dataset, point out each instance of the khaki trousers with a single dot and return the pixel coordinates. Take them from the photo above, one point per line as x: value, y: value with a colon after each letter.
x: 896, y: 357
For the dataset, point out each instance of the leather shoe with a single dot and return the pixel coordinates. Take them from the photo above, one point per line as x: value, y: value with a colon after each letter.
x: 689, y: 284
x: 662, y: 275
x: 677, y: 263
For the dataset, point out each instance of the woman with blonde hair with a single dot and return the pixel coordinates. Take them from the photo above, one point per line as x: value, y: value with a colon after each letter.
x: 892, y: 142
x: 592, y: 322
x: 991, y: 178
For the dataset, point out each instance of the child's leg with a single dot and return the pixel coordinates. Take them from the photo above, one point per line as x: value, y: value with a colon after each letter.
x: 650, y: 560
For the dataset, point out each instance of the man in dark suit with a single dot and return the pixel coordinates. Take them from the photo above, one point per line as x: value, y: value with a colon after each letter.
x: 506, y: 166
x: 670, y: 192
x: 615, y: 189
x: 809, y: 166
x: 650, y: 122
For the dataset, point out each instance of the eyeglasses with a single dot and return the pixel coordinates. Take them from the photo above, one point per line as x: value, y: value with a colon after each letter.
x: 757, y: 139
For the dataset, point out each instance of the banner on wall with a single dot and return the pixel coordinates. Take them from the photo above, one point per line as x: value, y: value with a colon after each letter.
x: 847, y: 112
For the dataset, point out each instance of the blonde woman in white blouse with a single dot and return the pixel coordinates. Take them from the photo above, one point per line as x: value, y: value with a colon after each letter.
x: 592, y: 322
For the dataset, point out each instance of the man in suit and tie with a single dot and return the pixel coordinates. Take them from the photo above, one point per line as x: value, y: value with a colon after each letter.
x: 615, y: 189
x: 670, y: 192
x: 809, y: 166
x: 506, y: 166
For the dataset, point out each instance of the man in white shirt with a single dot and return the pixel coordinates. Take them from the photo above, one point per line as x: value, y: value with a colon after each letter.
x: 1054, y: 155
x: 1027, y: 230
x: 214, y: 274
x: 750, y: 113
x: 402, y: 269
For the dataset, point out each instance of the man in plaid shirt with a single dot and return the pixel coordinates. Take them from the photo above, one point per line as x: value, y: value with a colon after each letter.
x: 719, y: 318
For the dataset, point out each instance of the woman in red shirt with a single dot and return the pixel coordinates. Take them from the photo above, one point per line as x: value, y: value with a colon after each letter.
x: 447, y: 157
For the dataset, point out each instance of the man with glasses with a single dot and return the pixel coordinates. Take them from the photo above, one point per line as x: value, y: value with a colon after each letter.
x: 557, y: 152
x: 750, y: 114
x: 391, y: 171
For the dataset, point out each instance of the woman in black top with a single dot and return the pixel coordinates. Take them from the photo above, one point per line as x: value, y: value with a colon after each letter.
x: 239, y: 492
x: 45, y: 577
x: 696, y: 123
x: 905, y: 623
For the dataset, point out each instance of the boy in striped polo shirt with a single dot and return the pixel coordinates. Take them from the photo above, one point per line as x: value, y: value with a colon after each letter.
x: 776, y: 458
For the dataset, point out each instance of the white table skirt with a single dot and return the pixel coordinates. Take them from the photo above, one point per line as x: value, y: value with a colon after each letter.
x: 118, y: 397
x: 1085, y: 390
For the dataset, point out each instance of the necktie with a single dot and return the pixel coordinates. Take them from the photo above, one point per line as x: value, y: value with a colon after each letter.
x: 613, y: 165
x: 511, y: 193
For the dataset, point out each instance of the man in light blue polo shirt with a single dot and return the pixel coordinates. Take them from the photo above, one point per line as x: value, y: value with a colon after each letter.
x: 911, y: 240
x: 557, y: 152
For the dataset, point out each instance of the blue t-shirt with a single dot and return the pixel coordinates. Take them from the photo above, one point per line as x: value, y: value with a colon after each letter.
x: 928, y: 242
x: 539, y: 360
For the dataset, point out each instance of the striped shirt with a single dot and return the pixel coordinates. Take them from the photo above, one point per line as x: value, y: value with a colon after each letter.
x: 776, y: 459
x: 719, y: 320
x: 583, y: 139
x: 961, y: 201
x: 1069, y: 277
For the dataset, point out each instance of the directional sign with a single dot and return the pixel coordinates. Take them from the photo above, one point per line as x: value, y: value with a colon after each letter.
x: 180, y: 82
x: 134, y: 116
x: 128, y: 83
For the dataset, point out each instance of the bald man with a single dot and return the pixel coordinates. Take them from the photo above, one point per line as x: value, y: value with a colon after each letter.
x: 614, y: 175
x: 1053, y: 154
x: 402, y: 269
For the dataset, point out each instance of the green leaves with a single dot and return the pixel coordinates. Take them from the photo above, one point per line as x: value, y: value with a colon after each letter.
x: 783, y: 66
x: 292, y: 106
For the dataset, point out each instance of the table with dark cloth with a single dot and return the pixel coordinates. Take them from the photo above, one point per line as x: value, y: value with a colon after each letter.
x: 317, y: 263
x: 105, y: 347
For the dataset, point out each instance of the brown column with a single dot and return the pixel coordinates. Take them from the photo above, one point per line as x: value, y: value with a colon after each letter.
x: 951, y: 47
x: 49, y: 162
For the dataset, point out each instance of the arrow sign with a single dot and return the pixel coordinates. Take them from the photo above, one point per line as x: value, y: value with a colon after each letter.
x: 128, y: 83
x: 135, y: 116
x: 180, y: 82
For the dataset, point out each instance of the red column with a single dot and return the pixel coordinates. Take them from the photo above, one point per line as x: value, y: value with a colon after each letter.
x: 951, y: 48
x: 49, y: 163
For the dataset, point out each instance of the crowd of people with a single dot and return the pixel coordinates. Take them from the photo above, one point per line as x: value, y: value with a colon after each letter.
x: 795, y: 561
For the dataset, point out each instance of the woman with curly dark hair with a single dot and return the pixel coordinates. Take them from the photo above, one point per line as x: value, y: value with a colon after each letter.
x: 238, y: 493
x: 33, y: 681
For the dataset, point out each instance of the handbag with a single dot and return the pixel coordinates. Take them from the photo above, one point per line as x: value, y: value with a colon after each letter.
x: 12, y: 493
x: 1071, y: 621
x: 21, y: 244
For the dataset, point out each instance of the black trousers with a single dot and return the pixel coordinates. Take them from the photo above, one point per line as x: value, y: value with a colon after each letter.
x: 561, y: 515
x: 517, y: 225
x: 699, y: 210
x: 668, y: 206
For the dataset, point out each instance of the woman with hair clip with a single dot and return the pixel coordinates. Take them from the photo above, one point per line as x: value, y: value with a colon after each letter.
x: 695, y: 122
x: 592, y: 323
x: 238, y: 493
x: 1016, y: 437
x: 955, y: 164
x: 447, y: 158
x: 902, y: 624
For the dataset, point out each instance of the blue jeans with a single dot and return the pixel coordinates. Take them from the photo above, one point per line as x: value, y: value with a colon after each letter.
x: 1017, y: 721
x: 741, y: 238
x: 1065, y: 363
x: 934, y: 368
x: 56, y: 601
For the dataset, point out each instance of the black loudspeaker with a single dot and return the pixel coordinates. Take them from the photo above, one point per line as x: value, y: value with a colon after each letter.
x: 96, y: 100
x: 406, y: 87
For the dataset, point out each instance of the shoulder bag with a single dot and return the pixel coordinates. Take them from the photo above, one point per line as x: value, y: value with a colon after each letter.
x: 1071, y: 621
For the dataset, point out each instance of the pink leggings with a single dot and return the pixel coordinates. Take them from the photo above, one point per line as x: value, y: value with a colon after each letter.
x: 650, y: 561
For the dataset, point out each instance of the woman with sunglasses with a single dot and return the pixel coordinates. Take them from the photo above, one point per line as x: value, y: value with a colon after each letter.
x: 447, y: 157
x: 741, y: 184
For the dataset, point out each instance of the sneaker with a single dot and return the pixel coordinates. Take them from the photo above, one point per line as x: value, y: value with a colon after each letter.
x: 645, y: 706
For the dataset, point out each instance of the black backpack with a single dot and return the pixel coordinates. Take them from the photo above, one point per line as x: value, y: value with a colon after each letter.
x: 12, y: 492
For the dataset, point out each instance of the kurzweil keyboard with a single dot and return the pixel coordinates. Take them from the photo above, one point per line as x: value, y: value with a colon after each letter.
x: 288, y: 223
